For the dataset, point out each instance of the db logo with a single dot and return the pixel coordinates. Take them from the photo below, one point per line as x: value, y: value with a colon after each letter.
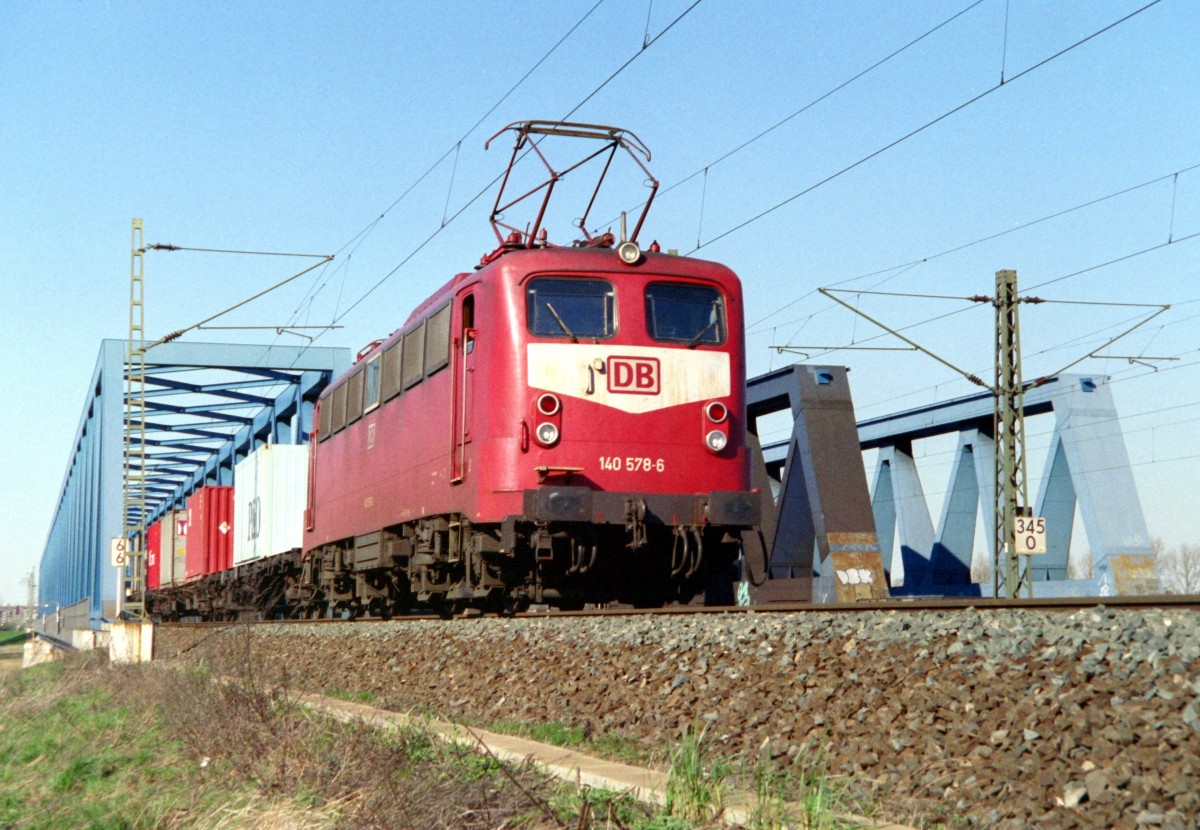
x: 633, y: 375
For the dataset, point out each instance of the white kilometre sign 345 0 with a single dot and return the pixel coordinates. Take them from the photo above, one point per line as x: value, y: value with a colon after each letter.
x: 1030, y: 532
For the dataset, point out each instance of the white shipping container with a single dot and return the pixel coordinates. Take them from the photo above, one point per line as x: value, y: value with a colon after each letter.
x: 270, y: 489
x: 174, y: 547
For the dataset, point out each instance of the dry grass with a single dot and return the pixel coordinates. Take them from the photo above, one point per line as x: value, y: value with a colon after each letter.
x: 257, y: 732
x: 85, y: 744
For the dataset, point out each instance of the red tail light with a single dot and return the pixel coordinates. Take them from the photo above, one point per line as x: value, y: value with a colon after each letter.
x: 716, y: 412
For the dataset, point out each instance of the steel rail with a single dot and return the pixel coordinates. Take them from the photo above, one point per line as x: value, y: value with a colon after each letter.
x: 1064, y: 604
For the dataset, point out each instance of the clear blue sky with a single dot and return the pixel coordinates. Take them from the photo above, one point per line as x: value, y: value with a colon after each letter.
x: 293, y: 126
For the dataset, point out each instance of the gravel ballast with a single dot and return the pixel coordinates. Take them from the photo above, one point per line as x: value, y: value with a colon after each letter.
x: 980, y: 718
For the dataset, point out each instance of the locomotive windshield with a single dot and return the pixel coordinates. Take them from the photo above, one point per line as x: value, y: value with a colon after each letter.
x: 682, y: 313
x: 570, y: 308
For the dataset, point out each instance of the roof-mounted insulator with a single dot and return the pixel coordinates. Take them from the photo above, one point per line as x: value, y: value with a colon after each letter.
x: 512, y: 242
x: 604, y: 240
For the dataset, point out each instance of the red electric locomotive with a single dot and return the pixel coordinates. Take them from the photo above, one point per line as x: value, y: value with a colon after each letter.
x: 564, y: 425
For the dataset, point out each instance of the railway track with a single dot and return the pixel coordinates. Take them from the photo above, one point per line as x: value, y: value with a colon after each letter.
x: 1064, y: 604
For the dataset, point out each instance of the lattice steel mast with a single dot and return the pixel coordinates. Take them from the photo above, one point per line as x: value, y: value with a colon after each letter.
x: 134, y: 574
x: 1008, y: 432
x: 1011, y: 497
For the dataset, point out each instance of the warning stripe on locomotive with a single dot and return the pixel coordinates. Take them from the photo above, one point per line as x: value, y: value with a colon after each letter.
x: 633, y: 379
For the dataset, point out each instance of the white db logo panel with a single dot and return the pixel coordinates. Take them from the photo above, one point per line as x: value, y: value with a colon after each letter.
x: 633, y: 375
x: 634, y: 379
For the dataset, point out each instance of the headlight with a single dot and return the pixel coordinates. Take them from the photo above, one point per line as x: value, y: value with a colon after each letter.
x: 629, y: 253
x: 716, y: 440
x: 548, y: 404
x: 547, y: 433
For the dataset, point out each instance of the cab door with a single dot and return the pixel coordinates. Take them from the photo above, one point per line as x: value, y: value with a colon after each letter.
x: 464, y: 346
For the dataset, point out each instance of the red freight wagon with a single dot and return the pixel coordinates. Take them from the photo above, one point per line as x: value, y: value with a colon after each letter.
x: 209, y: 531
x: 153, y: 554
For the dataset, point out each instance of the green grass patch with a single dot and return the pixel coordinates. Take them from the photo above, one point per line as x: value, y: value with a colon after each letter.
x: 361, y: 696
x: 795, y: 792
x: 74, y: 754
x: 9, y: 637
x: 822, y: 799
x: 695, y: 788
x: 605, y: 808
x: 556, y: 733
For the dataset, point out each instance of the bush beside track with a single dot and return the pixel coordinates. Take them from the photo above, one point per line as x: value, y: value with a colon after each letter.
x: 997, y: 719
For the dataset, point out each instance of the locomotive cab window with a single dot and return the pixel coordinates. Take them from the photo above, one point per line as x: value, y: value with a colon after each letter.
x: 682, y: 313
x: 570, y: 308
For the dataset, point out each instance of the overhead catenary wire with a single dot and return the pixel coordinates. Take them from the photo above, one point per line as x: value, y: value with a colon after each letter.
x: 445, y: 222
x: 450, y: 188
x: 906, y: 266
x: 407, y: 258
x: 1036, y: 435
x: 176, y: 334
x: 704, y: 170
x: 663, y: 32
x: 359, y: 237
x: 1115, y: 419
x: 1121, y: 419
x: 357, y: 240
x: 1114, y: 378
x: 973, y: 377
x: 646, y: 43
x: 1064, y: 344
x: 1105, y: 264
x: 1125, y: 258
x: 159, y: 246
x: 959, y: 108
